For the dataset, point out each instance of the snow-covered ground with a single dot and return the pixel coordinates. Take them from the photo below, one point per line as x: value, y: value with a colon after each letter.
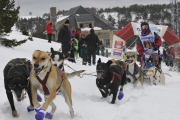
x: 140, y: 103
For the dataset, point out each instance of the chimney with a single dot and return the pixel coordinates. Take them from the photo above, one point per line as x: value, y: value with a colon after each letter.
x: 53, y: 14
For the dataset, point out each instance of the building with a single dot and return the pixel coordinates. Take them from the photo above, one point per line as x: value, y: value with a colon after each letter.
x: 84, y: 18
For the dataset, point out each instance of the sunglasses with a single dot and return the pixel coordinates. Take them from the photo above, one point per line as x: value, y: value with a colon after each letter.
x: 145, y: 27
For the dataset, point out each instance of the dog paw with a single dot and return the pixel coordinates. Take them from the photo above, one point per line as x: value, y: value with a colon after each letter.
x: 40, y: 115
x: 112, y: 102
x: 49, y: 115
x: 14, y: 113
x: 37, y: 109
x: 121, y: 95
x: 30, y: 109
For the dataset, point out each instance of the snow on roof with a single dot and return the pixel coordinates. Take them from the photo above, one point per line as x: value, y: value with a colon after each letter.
x: 28, y: 17
x: 88, y: 29
x: 61, y: 17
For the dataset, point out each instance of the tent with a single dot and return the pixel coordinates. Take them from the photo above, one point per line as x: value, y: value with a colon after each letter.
x: 132, y: 29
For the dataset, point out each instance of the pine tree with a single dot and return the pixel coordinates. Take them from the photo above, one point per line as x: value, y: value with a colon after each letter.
x: 8, y: 16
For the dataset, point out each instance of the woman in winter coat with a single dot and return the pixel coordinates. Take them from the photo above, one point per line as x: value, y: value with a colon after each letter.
x: 83, y: 48
x: 49, y: 30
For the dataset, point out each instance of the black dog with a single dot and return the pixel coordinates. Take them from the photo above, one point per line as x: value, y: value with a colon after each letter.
x: 16, y: 74
x: 57, y: 59
x: 109, y: 79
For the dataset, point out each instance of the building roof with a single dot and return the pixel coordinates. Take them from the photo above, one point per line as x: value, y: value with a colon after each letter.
x: 84, y: 18
x: 81, y: 10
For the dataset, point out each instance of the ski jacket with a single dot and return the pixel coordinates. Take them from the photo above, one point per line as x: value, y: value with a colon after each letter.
x: 49, y: 28
x: 64, y: 38
x: 170, y: 52
x: 92, y: 41
x: 147, y: 41
x: 81, y: 47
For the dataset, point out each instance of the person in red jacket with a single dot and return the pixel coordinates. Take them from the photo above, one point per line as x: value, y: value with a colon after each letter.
x: 148, y: 43
x: 49, y: 29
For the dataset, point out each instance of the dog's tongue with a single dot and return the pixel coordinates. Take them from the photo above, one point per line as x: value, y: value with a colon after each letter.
x: 99, y: 75
x: 129, y: 61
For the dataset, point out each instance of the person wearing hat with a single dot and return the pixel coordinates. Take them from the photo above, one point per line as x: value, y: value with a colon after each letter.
x: 149, y: 43
x: 64, y: 38
x: 92, y: 41
x: 49, y: 30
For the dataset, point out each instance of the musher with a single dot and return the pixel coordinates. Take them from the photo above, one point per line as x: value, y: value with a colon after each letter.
x: 149, y: 43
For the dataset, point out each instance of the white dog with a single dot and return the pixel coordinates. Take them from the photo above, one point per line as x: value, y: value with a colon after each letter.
x: 156, y: 76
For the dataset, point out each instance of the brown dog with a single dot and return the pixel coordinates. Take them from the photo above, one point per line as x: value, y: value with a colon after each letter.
x: 133, y: 72
x: 49, y: 80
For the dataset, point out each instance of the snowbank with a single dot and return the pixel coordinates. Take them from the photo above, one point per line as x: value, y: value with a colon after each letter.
x: 88, y: 29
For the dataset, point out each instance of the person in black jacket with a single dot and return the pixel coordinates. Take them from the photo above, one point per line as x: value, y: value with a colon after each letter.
x: 64, y: 38
x: 92, y: 41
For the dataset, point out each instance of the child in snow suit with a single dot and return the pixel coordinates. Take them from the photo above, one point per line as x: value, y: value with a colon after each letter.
x: 83, y: 49
x: 73, y: 48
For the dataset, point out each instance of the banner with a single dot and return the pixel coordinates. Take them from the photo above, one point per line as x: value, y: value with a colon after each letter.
x: 117, y: 48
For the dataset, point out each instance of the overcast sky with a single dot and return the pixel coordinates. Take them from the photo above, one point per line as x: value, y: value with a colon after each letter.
x: 39, y: 7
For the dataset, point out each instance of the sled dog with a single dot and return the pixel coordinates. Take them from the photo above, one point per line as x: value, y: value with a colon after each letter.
x: 109, y: 79
x: 49, y: 80
x: 57, y: 59
x: 156, y: 76
x: 133, y: 71
x: 16, y: 74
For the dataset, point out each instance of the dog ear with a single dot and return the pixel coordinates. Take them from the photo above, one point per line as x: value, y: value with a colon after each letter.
x: 109, y: 63
x: 99, y: 61
x: 49, y: 54
x: 52, y: 50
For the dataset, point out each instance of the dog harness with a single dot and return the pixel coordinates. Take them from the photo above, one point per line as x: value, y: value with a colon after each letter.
x: 156, y: 72
x: 43, y: 82
x: 115, y: 74
x: 135, y: 72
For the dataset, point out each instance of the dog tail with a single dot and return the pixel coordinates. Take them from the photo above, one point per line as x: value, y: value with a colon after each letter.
x: 167, y: 74
x: 71, y: 75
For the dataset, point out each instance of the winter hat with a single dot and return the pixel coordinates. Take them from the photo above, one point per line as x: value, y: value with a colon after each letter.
x: 92, y: 29
x: 67, y: 21
x: 71, y: 35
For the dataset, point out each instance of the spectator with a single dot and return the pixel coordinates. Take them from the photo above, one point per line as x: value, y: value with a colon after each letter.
x: 83, y: 49
x: 170, y: 56
x: 73, y: 48
x: 77, y: 36
x: 98, y: 47
x: 64, y: 38
x: 164, y: 55
x: 49, y: 30
x: 73, y: 31
x: 92, y: 42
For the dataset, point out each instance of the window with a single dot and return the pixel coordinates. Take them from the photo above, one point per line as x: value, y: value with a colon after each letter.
x: 90, y: 25
x: 81, y: 25
x: 107, y: 42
